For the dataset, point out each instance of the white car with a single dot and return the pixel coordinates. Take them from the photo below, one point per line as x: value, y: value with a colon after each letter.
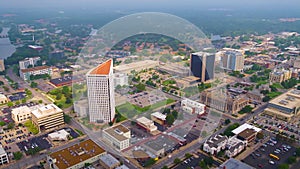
x: 271, y: 162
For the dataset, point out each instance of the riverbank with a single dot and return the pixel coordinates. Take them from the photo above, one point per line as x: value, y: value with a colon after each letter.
x: 6, y: 48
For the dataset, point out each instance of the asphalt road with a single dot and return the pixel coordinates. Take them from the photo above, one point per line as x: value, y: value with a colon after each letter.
x: 25, y: 85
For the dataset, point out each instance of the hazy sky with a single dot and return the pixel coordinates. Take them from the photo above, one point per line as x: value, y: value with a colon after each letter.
x: 152, y: 4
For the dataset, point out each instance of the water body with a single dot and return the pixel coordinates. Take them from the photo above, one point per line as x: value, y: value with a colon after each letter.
x: 6, y: 48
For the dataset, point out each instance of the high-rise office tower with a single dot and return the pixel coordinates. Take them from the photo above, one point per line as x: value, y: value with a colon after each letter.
x: 203, y: 65
x: 100, y: 90
x: 232, y: 60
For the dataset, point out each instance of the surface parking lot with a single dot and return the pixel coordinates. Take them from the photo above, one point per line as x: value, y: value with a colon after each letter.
x: 39, y: 142
x: 193, y: 162
x: 261, y: 157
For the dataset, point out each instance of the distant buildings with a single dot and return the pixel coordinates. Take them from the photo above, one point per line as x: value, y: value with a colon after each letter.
x: 120, y: 79
x: 203, y: 65
x: 232, y: 60
x: 75, y: 156
x: 100, y: 90
x: 39, y: 70
x: 117, y: 136
x: 47, y: 117
x: 2, y: 66
x: 297, y: 64
x: 3, y: 156
x: 193, y: 107
x: 285, y: 106
x: 279, y: 75
x: 117, y: 54
x: 24, y: 64
x: 57, y: 55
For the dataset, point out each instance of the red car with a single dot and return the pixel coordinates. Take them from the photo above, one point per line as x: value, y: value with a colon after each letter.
x: 6, y: 120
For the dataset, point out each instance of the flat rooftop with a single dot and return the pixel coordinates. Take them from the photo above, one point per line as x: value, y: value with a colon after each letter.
x: 190, y: 79
x: 2, y: 151
x: 135, y: 65
x: 118, y: 132
x: 66, y: 79
x: 46, y: 111
x: 109, y: 160
x: 159, y: 115
x: 244, y: 127
x: 34, y: 69
x: 22, y: 109
x: 290, y: 99
x: 247, y: 133
x: 75, y: 154
x: 235, y: 164
x: 140, y: 154
x: 144, y: 120
x: 161, y: 142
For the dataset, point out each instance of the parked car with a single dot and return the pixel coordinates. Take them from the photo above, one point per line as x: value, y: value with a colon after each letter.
x: 271, y: 162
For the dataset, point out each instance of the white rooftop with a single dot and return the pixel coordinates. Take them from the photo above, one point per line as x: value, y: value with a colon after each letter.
x: 22, y: 109
x: 144, y: 120
x: 2, y: 96
x: 122, y: 167
x: 2, y: 151
x: 60, y: 135
x: 159, y: 115
x: 245, y: 126
x: 46, y: 110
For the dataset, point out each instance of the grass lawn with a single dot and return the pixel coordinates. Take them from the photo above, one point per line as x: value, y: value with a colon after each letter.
x: 61, y: 102
x: 30, y: 127
x: 274, y: 94
x: 261, y: 82
x: 128, y: 110
x: 277, y: 86
x: 79, y: 132
x: 86, y: 122
x: 167, y: 82
x: 189, y: 91
x: 250, y: 71
x: 162, y: 103
x: 2, y: 123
